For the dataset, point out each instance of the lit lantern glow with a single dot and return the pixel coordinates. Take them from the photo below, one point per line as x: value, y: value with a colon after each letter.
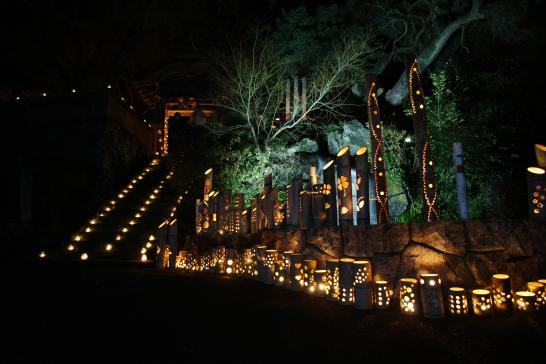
x: 77, y: 238
x: 538, y: 289
x: 148, y: 245
x: 309, y: 267
x: 151, y: 238
x: 536, y: 192
x: 88, y: 229
x: 84, y: 256
x: 346, y: 288
x: 381, y: 295
x: 143, y: 258
x: 296, y: 272
x: 278, y: 273
x: 332, y: 276
x: 108, y: 247
x: 93, y: 221
x: 142, y: 209
x: 42, y: 254
x: 124, y: 230
x: 363, y: 290
x: 502, y: 293
x: 70, y: 247
x: 408, y: 296
x: 481, y: 302
x: 362, y: 272
x: 525, y: 301
x: 132, y: 222
x: 432, y: 298
x: 118, y: 237
x: 458, y: 303
x: 121, y: 195
x: 320, y: 282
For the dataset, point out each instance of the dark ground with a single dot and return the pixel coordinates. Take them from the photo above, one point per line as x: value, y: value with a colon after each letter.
x: 73, y: 312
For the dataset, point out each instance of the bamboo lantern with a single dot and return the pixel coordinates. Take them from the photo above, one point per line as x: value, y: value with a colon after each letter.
x: 269, y: 265
x: 313, y: 176
x: 278, y: 273
x: 538, y: 289
x: 213, y: 213
x: 317, y: 205
x: 297, y: 184
x: 245, y: 224
x: 362, y: 280
x: 332, y: 276
x: 278, y: 213
x: 502, y: 293
x: 305, y: 209
x: 221, y: 259
x: 207, y: 189
x: 408, y: 296
x: 346, y: 289
x: 320, y: 282
x: 378, y: 158
x: 309, y: 266
x: 161, y: 245
x: 181, y: 260
x: 231, y: 259
x: 422, y: 144
x: 269, y: 212
x: 290, y: 205
x: 286, y: 259
x: 173, y: 243
x: 254, y: 215
x: 381, y: 295
x: 362, y: 193
x: 239, y: 205
x: 536, y: 188
x: 525, y: 301
x: 458, y: 303
x: 329, y: 192
x: 344, y: 187
x: 540, y: 153
x: 432, y: 298
x: 481, y: 302
x: 260, y: 262
x: 296, y: 271
x: 249, y: 263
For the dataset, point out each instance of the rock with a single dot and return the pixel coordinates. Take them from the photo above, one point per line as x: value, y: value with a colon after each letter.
x: 524, y: 270
x: 456, y: 273
x: 480, y: 238
x: 326, y: 240
x: 394, y: 238
x: 352, y: 134
x: 417, y: 259
x: 294, y: 240
x: 386, y: 267
x: 537, y: 234
x: 447, y: 237
x: 483, y: 266
x: 357, y: 241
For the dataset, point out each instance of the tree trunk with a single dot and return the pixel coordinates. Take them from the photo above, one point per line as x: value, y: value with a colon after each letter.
x: 399, y: 91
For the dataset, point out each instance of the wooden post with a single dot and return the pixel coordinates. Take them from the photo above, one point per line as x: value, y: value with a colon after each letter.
x: 329, y: 191
x: 362, y: 183
x: 460, y: 181
x: 207, y: 189
x: 378, y: 157
x: 344, y: 187
x: 536, y: 193
x: 173, y: 243
x: 422, y: 144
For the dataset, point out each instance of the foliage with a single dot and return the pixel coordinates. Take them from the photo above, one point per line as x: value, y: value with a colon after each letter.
x: 483, y: 174
x: 244, y: 168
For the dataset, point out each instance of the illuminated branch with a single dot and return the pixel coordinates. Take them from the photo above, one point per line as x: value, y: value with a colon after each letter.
x: 378, y: 157
x: 422, y: 144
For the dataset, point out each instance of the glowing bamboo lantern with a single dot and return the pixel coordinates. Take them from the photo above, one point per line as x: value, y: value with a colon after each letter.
x: 249, y: 263
x: 329, y: 192
x: 525, y: 301
x: 346, y: 289
x: 269, y: 265
x: 198, y: 217
x: 207, y: 189
x: 481, y: 302
x: 290, y: 205
x: 286, y: 271
x: 458, y: 303
x: 362, y: 280
x: 245, y: 223
x: 432, y: 298
x: 408, y: 296
x: 213, y: 209
x: 268, y: 202
x: 260, y: 262
x: 238, y: 207
x: 254, y: 215
x: 278, y: 272
x: 320, y: 283
x: 502, y: 293
x: 221, y: 259
x: 344, y: 187
x: 362, y: 193
x: 540, y: 153
x: 536, y: 188
x: 182, y: 260
x: 309, y: 266
x: 381, y: 295
x: 305, y: 209
x: 538, y: 289
x: 317, y: 205
x: 378, y: 158
x: 231, y: 259
x: 296, y: 271
x: 161, y: 245
x: 332, y: 276
x: 173, y: 243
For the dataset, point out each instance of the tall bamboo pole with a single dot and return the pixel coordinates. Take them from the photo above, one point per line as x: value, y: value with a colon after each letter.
x: 422, y: 143
x: 207, y: 189
x: 362, y: 183
x: 344, y: 187
x: 329, y: 191
x: 378, y: 157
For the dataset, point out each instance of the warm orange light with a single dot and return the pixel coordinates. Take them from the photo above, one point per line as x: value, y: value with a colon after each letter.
x: 342, y: 151
x: 536, y: 170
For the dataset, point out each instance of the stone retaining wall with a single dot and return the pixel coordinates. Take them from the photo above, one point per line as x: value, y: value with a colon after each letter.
x: 465, y: 254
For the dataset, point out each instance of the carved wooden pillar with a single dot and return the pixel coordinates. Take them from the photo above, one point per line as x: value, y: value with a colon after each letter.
x: 422, y: 144
x: 378, y: 157
x: 362, y: 183
x: 329, y: 191
x: 344, y: 187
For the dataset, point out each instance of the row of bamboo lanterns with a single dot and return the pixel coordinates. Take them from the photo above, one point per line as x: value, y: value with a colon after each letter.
x: 350, y: 282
